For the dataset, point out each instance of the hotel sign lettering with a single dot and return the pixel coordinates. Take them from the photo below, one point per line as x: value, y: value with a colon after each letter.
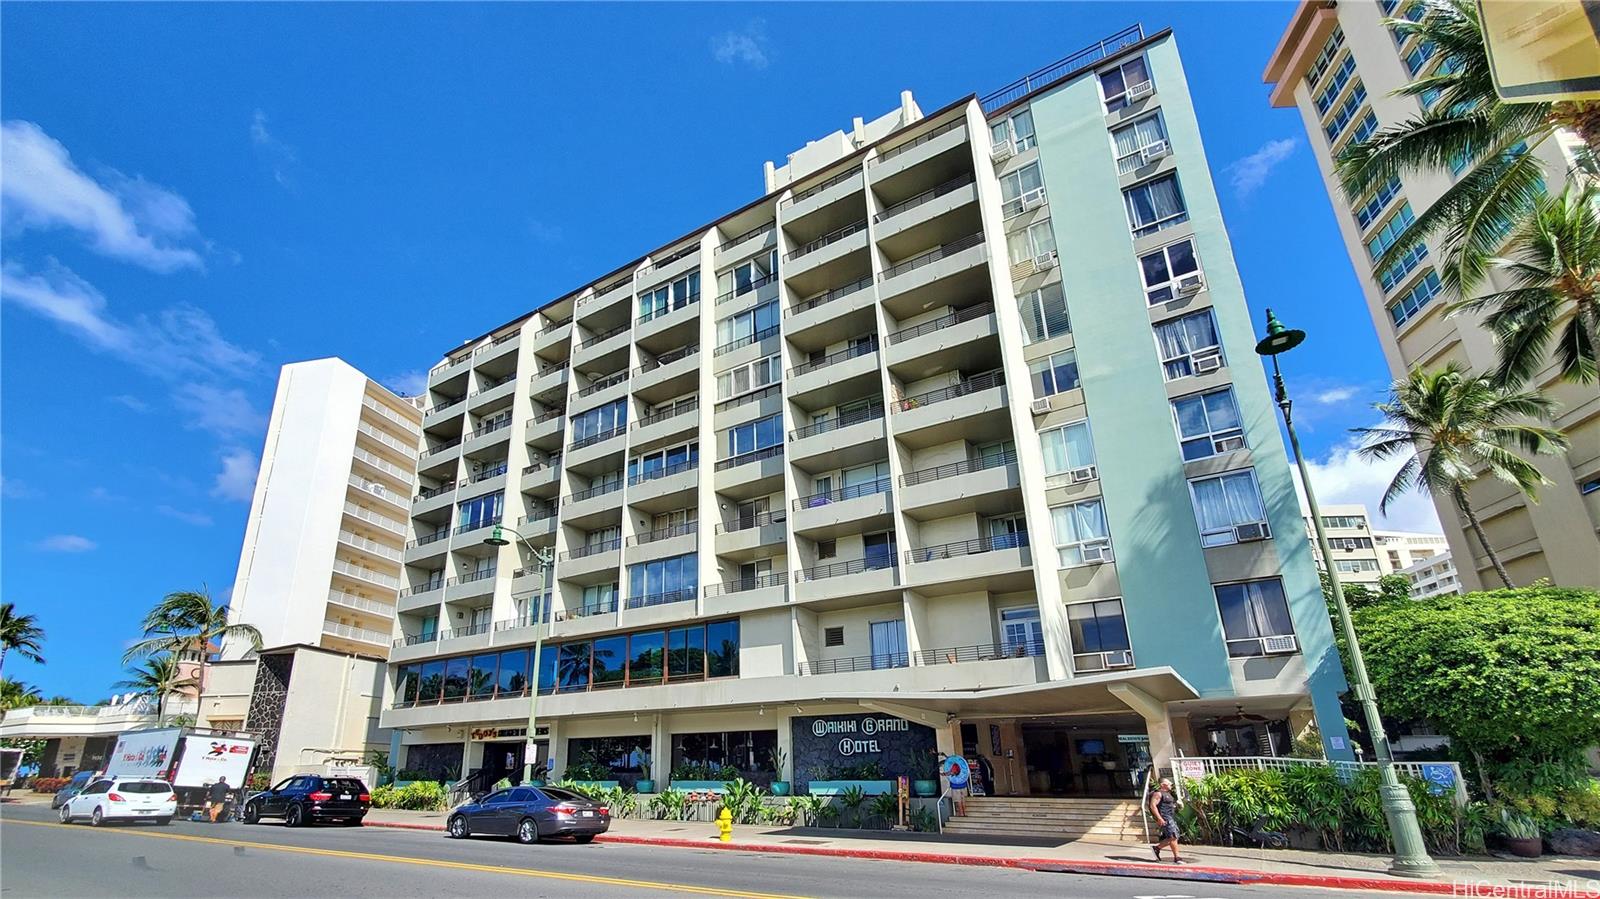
x: 834, y: 741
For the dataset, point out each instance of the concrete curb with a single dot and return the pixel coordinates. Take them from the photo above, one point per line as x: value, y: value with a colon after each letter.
x: 1201, y: 873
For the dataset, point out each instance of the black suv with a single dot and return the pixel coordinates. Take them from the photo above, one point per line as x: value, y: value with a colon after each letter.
x: 309, y: 798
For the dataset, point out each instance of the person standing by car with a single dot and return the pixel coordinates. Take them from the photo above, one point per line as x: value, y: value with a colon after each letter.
x: 1164, y: 808
x: 217, y: 796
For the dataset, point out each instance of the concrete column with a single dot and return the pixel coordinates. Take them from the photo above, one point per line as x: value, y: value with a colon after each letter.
x: 395, y: 737
x: 660, y: 750
x: 1183, y: 735
x: 786, y: 746
x: 556, y: 754
x: 1157, y: 721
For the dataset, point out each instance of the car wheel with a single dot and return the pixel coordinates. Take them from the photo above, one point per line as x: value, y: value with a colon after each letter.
x: 583, y: 838
x: 457, y: 828
x: 252, y: 813
x: 163, y: 822
x: 294, y: 817
x: 66, y: 815
x: 527, y: 831
x: 97, y: 818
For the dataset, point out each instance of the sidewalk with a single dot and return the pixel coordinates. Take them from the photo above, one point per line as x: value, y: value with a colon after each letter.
x: 1474, y: 876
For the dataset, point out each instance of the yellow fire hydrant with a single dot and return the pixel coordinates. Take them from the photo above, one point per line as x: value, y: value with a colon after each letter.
x: 724, y: 826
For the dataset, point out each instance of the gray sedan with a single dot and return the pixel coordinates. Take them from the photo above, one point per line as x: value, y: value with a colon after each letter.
x: 529, y: 814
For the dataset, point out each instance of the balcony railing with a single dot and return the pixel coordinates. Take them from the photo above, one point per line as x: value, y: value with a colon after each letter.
x: 843, y: 420
x: 370, y: 546
x: 601, y: 293
x: 547, y: 415
x: 426, y: 539
x: 669, y: 357
x: 819, y: 187
x: 470, y: 577
x: 370, y: 517
x: 861, y: 349
x: 352, y: 601
x: 669, y: 308
x: 732, y: 242
x: 770, y: 452
x: 540, y: 515
x: 933, y: 193
x: 529, y: 620
x: 432, y: 492
x: 740, y: 290
x: 477, y: 525
x: 405, y: 449
x: 956, y: 469
x: 665, y: 471
x: 661, y: 599
x: 359, y: 634
x: 947, y: 321
x: 592, y: 439
x: 754, y: 396
x: 497, y: 382
x: 494, y: 471
x: 551, y: 461
x: 416, y: 640
x: 1062, y: 68
x: 449, y: 363
x: 666, y: 533
x: 673, y: 411
x: 829, y: 296
x: 592, y: 549
x: 552, y: 369
x: 746, y: 522
x: 492, y: 425
x: 445, y: 406
x: 982, y: 653
x: 975, y: 384
x: 424, y: 587
x: 587, y: 610
x: 918, y: 141
x: 470, y: 630
x: 667, y: 260
x: 388, y: 468
x: 831, y: 237
x: 746, y: 584
x: 868, y: 488
x: 438, y: 448
x: 856, y: 663
x: 840, y: 569
x: 933, y: 255
x: 555, y: 326
x: 757, y: 337
x: 593, y: 492
x: 600, y: 384
x: 966, y: 547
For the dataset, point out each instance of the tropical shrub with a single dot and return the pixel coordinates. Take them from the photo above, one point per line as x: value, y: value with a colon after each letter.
x: 670, y: 805
x: 924, y: 821
x: 806, y: 810
x: 422, y: 795
x: 886, y: 808
x: 851, y: 798
x: 744, y: 801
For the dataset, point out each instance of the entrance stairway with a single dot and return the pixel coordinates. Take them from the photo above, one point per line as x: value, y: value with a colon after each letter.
x: 1064, y: 818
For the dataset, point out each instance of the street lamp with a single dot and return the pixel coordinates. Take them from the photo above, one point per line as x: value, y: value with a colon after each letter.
x: 1410, y: 854
x: 530, y: 749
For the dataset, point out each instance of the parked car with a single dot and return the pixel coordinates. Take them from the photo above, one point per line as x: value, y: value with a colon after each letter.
x: 531, y: 814
x: 122, y: 799
x: 311, y: 798
x: 74, y: 787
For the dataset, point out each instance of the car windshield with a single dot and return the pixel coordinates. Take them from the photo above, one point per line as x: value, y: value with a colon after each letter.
x: 81, y: 778
x: 144, y: 786
x: 344, y: 784
x: 564, y: 795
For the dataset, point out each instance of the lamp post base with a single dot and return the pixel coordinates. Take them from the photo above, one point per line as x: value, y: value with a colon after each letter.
x: 1411, y: 857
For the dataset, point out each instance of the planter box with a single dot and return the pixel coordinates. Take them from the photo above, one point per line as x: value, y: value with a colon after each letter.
x: 700, y: 786
x: 832, y: 788
x: 599, y: 784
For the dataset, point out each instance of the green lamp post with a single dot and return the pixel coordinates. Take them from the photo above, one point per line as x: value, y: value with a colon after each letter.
x: 497, y: 538
x: 1410, y: 853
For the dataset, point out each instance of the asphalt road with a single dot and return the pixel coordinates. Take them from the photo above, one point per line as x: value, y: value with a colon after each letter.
x: 41, y: 857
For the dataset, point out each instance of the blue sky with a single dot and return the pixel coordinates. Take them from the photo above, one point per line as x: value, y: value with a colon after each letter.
x: 211, y: 191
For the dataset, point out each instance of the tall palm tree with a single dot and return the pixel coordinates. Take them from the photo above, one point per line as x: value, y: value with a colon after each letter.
x: 190, y: 622
x: 1555, y: 270
x: 15, y: 694
x: 1448, y: 424
x: 19, y: 632
x: 160, y: 676
x: 1467, y: 123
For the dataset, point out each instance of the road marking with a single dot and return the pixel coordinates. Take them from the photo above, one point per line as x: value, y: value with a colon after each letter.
x: 432, y: 863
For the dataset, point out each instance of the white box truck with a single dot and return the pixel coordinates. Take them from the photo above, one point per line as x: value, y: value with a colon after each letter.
x: 191, y: 759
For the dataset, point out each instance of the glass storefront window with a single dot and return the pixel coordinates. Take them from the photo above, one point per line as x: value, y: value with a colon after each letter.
x: 610, y: 661
x: 645, y: 657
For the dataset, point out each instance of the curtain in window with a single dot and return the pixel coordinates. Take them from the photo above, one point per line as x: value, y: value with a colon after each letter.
x: 1138, y: 135
x: 889, y: 644
x: 1221, y: 503
x: 1022, y: 127
x: 1076, y: 524
x: 1067, y: 448
x: 1150, y: 203
x: 1254, y: 609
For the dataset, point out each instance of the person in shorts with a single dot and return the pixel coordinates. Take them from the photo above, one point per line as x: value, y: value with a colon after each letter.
x: 1164, y: 809
x: 959, y: 773
x: 216, y: 798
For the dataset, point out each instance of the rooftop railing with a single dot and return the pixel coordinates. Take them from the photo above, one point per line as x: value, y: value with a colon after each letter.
x: 945, y: 321
x: 821, y: 186
x: 831, y: 237
x: 866, y: 348
x: 956, y: 469
x: 843, y: 420
x: 975, y: 384
x: 933, y: 193
x: 1062, y: 68
x: 933, y: 255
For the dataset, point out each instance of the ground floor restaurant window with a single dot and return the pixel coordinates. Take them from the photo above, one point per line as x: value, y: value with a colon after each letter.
x: 432, y: 761
x: 608, y: 758
x: 724, y: 755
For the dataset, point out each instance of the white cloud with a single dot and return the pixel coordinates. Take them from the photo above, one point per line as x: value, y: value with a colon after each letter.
x: 104, y: 495
x: 237, y: 479
x: 198, y: 519
x: 130, y: 401
x: 1248, y: 174
x: 1343, y: 476
x: 1335, y: 395
x: 128, y: 218
x: 408, y: 383
x: 65, y: 543
x: 224, y: 411
x: 11, y: 488
x: 746, y: 47
x: 279, y: 157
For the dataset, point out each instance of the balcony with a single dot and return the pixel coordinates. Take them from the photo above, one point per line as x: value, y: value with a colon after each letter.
x: 658, y: 428
x: 751, y: 474
x: 368, y: 547
x: 594, y: 446
x: 490, y: 478
x: 603, y: 345
x: 549, y: 383
x: 824, y: 255
x: 429, y: 493
x: 487, y: 433
x: 985, y: 652
x: 662, y: 543
x: 673, y: 373
x: 999, y: 564
x: 584, y: 504
x: 500, y: 346
x: 660, y: 599
x: 472, y: 533
x: 973, y: 406
x: 605, y: 298
x: 355, y: 634
x: 836, y: 376
x: 743, y: 594
x: 587, y: 611
x: 748, y: 340
x: 545, y: 427
x: 813, y: 198
x: 948, y: 139
x: 669, y: 324
x: 375, y: 466
x: 855, y: 663
x: 388, y: 441
x: 939, y: 277
x: 553, y: 335
x: 365, y: 576
x: 361, y: 603
x: 845, y: 440
x: 745, y: 538
x: 833, y: 316
x: 982, y: 484
x: 591, y: 393
x: 451, y: 367
x: 855, y: 583
x: 542, y: 474
x: 394, y: 526
x: 496, y: 392
x: 664, y: 489
x: 742, y: 246
x: 443, y: 410
x: 944, y: 343
x: 848, y: 510
x: 469, y: 586
x: 421, y: 596
x: 669, y: 266
x: 427, y: 546
x: 929, y: 217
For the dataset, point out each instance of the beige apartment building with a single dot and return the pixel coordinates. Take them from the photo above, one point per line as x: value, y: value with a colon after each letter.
x: 1435, y: 576
x: 1340, y: 65
x: 954, y: 437
x: 1363, y: 554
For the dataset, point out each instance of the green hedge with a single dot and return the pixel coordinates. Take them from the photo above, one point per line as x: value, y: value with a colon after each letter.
x: 425, y: 796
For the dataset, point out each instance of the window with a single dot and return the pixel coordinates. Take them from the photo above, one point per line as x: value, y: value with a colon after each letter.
x: 1031, y: 242
x: 611, y: 417
x: 1418, y: 58
x: 1356, y: 566
x: 1225, y: 502
x: 483, y: 675
x: 1163, y: 268
x: 722, y: 649
x: 513, y: 675
x: 827, y: 549
x: 601, y: 597
x: 747, y: 751
x: 1344, y: 521
x: 1054, y: 374
x: 481, y: 511
x: 1097, y: 628
x: 756, y: 435
x: 1067, y: 448
x: 1252, y: 612
x: 1411, y: 302
x: 1129, y: 141
x: 1018, y: 129
x: 457, y: 672
x: 748, y: 377
x: 1330, y: 49
x: 747, y: 275
x: 646, y: 658
x: 1350, y: 544
x: 664, y: 577
x: 1020, y: 187
x: 1208, y: 424
x: 1341, y: 78
x: 1155, y: 205
x: 888, y: 639
x: 878, y: 550
x: 662, y: 462
x: 686, y: 653
x: 1345, y: 114
x: 1385, y: 237
x: 1081, y: 534
x: 1403, y: 266
x: 620, y: 755
x: 1590, y: 486
x: 1006, y: 531
x: 1189, y: 345
x: 1021, y: 632
x: 743, y: 327
x: 1117, y: 83
x: 1044, y: 313
x: 1368, y: 211
x: 667, y: 297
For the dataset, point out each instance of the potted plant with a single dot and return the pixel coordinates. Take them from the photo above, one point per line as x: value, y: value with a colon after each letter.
x: 644, y: 784
x: 1521, y: 833
x: 779, y: 759
x: 925, y: 775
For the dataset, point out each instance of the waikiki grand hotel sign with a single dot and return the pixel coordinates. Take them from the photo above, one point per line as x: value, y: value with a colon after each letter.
x: 825, y: 744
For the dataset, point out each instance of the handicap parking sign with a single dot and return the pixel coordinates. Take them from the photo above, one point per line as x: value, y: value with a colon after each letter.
x: 1441, y: 779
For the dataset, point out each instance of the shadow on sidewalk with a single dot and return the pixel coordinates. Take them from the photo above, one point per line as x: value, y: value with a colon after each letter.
x: 895, y: 836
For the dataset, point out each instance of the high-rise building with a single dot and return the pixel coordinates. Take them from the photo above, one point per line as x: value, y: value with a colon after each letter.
x: 1340, y: 65
x: 1363, y: 554
x: 1434, y: 576
x: 955, y: 437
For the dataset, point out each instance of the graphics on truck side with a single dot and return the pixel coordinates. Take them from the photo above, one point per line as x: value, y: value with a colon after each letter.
x: 143, y: 753
x: 205, y: 758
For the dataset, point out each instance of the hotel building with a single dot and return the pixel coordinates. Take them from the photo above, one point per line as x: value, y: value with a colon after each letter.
x: 1363, y: 555
x: 955, y: 437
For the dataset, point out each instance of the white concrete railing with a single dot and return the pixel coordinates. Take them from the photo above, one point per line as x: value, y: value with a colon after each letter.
x: 334, y: 628
x: 371, y: 517
x: 388, y: 440
x: 1207, y: 765
x: 350, y: 600
x: 366, y: 574
x: 379, y: 491
x: 384, y: 466
x: 409, y: 426
x: 370, y: 546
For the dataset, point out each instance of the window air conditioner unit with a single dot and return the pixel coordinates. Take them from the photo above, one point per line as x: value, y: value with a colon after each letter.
x: 1044, y: 261
x: 1119, y: 658
x: 1002, y: 151
x: 1247, y: 533
x: 1041, y: 406
x: 1033, y: 199
x: 1207, y: 363
x: 1190, y: 284
x: 1140, y: 91
x: 1096, y: 553
x: 1274, y: 645
x: 1229, y: 444
x: 1083, y: 475
x: 1158, y: 150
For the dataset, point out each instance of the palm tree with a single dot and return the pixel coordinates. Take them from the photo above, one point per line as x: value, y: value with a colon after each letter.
x: 19, y: 632
x: 160, y: 676
x: 190, y: 621
x: 1450, y: 423
x: 15, y: 694
x: 1467, y: 123
x: 1555, y: 271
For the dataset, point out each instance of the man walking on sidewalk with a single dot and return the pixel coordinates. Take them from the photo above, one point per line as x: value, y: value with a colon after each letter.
x: 1164, y: 808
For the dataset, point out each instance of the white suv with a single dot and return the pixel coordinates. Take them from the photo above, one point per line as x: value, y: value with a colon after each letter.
x: 122, y: 799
